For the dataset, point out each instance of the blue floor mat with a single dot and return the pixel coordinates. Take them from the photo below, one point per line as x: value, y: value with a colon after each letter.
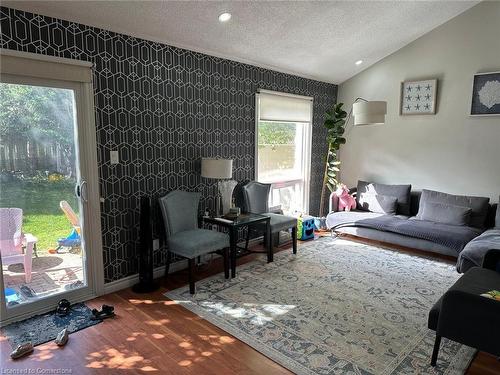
x: 45, y: 327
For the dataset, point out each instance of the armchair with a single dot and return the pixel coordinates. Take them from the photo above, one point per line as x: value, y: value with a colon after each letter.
x: 184, y: 238
x: 256, y: 198
x: 463, y: 315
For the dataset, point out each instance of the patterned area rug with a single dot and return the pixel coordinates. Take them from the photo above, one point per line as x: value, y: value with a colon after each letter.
x: 338, y: 307
x: 45, y: 327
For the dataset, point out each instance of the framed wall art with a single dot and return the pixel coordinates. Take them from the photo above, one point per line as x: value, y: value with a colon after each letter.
x: 418, y: 97
x: 486, y: 94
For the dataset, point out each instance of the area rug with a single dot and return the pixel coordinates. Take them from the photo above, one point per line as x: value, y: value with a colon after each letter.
x: 337, y: 307
x: 45, y: 327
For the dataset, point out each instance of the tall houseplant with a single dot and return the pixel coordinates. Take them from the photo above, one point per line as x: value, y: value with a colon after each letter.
x: 335, y: 121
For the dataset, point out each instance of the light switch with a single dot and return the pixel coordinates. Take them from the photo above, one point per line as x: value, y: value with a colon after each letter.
x: 113, y: 157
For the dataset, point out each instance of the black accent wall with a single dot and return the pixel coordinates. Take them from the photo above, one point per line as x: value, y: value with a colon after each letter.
x: 163, y: 108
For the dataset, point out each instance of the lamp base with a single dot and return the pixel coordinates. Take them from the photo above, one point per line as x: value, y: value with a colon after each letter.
x: 226, y: 188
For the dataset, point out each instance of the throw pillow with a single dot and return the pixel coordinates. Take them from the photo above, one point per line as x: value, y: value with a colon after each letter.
x: 400, y: 192
x: 446, y: 213
x: 382, y: 204
x: 478, y: 205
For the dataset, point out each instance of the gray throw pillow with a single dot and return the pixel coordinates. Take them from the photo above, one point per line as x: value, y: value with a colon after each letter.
x: 478, y: 205
x: 382, y: 204
x: 446, y: 213
x: 400, y: 192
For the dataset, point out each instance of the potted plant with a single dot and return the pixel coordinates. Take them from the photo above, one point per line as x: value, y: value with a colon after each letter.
x: 335, y: 120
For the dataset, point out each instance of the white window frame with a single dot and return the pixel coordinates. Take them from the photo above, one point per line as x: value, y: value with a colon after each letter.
x: 307, y: 147
x: 87, y: 153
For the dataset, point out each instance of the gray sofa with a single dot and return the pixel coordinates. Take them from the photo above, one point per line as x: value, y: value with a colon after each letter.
x: 452, y: 225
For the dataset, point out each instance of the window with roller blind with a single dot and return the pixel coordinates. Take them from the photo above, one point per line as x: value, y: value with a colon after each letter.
x: 283, y: 148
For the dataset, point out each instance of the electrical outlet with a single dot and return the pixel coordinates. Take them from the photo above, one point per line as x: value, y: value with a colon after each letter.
x: 156, y: 244
x: 113, y: 157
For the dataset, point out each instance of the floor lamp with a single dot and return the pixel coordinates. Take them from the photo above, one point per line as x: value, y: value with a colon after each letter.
x: 222, y: 170
x: 364, y: 112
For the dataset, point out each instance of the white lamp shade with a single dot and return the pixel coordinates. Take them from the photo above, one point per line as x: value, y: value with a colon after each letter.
x: 216, y: 168
x: 367, y: 113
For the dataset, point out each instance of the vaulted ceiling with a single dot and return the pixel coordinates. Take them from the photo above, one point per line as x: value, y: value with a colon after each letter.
x: 320, y: 40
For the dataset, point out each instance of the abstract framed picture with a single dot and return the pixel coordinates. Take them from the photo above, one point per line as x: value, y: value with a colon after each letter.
x: 418, y: 97
x: 486, y: 94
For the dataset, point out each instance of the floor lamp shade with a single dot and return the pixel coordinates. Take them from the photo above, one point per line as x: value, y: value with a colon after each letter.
x: 371, y: 112
x: 216, y: 168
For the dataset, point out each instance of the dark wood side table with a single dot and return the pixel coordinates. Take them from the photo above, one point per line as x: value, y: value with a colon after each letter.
x: 244, y: 220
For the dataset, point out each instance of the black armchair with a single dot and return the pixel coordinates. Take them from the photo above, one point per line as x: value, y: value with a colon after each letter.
x: 464, y: 316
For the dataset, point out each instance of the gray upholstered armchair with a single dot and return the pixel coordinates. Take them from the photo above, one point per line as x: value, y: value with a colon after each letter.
x: 184, y: 238
x: 463, y: 315
x: 256, y: 198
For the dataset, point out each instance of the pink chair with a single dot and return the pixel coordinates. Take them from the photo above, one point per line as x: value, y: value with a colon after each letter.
x: 12, y: 240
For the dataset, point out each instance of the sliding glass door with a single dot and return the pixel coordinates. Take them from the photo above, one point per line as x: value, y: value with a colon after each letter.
x: 283, y: 152
x: 44, y: 194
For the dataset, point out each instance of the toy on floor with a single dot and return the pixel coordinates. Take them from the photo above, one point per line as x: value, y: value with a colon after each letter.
x: 346, y: 200
x: 305, y: 227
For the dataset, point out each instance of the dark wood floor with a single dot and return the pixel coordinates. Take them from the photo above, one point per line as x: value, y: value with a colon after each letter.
x: 152, y: 334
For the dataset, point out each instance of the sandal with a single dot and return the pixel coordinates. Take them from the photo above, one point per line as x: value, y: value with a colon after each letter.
x: 63, y: 307
x: 62, y: 337
x: 106, y: 312
x: 27, y: 292
x: 22, y: 350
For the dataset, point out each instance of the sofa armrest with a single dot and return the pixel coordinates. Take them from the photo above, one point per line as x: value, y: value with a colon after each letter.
x: 492, y: 260
x: 471, y: 320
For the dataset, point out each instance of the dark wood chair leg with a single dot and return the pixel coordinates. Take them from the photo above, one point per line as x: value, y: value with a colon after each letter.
x: 435, y: 352
x: 294, y: 239
x: 167, y: 263
x: 191, y: 275
x: 226, y: 262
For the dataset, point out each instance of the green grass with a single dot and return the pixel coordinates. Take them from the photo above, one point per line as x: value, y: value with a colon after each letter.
x: 42, y: 216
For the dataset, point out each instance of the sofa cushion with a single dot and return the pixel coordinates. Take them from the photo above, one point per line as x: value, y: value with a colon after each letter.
x: 378, y: 203
x: 474, y: 252
x: 478, y: 205
x: 400, y: 192
x: 445, y: 213
x: 348, y: 218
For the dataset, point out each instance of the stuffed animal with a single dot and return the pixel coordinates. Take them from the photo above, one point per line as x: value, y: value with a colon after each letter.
x: 346, y: 201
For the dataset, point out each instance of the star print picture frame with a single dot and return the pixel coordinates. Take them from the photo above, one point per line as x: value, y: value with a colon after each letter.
x: 486, y: 94
x: 418, y: 97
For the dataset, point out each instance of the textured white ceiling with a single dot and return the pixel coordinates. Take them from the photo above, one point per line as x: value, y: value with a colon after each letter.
x: 319, y: 40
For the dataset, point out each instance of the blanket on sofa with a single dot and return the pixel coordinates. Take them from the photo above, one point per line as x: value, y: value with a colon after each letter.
x: 453, y: 236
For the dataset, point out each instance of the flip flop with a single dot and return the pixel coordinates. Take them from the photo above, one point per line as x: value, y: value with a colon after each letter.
x: 22, y: 350
x: 27, y: 292
x: 62, y: 337
x: 75, y: 285
x: 106, y: 312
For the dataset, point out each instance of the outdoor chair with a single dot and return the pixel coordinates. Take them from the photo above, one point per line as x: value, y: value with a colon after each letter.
x: 184, y: 238
x: 13, y: 240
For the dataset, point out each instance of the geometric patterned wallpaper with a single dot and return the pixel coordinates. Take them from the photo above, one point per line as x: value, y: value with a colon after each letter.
x: 162, y: 108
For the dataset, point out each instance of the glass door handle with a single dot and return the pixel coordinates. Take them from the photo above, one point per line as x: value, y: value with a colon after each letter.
x: 81, y: 191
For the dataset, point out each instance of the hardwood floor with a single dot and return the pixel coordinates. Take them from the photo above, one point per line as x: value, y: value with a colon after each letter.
x: 153, y: 334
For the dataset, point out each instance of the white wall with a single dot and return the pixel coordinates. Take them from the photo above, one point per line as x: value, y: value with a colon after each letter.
x: 449, y: 151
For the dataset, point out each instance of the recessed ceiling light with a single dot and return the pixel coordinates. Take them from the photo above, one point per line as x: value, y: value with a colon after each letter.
x: 224, y: 17
x: 359, y: 62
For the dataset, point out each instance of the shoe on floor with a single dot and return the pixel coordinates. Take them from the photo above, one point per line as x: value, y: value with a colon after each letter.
x: 22, y: 350
x: 62, y: 337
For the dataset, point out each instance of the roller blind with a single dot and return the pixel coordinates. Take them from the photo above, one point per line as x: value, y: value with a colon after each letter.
x: 60, y: 69
x: 276, y: 107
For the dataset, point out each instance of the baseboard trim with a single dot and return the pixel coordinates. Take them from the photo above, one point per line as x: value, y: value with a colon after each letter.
x: 127, y: 282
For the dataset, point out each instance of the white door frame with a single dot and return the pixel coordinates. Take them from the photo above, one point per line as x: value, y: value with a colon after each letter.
x: 306, y: 150
x: 90, y: 220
